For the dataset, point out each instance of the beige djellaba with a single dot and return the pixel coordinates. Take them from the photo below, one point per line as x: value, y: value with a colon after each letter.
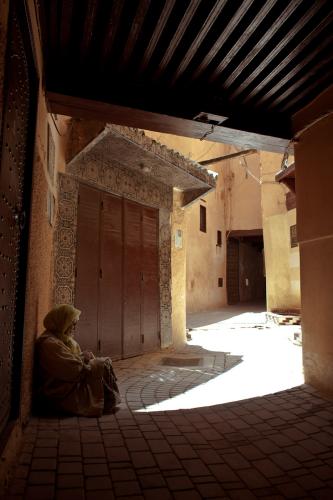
x: 64, y: 381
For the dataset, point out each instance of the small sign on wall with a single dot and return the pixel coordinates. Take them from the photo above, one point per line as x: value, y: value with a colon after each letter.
x: 179, y: 238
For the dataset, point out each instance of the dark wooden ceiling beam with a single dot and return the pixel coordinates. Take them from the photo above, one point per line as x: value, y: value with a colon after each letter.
x: 52, y: 30
x: 243, y: 39
x: 260, y: 68
x: 159, y: 28
x: 134, y: 32
x: 177, y: 37
x: 283, y: 17
x: 246, y: 4
x: 88, y: 29
x: 112, y: 28
x: 159, y: 122
x: 66, y: 21
x: 209, y: 21
x: 327, y: 76
x: 296, y: 51
x: 309, y: 72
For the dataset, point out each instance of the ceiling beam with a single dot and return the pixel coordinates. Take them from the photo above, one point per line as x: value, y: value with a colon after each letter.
x: 78, y: 107
x: 245, y: 152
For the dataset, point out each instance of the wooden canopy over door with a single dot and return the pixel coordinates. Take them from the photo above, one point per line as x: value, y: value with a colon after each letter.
x: 117, y: 286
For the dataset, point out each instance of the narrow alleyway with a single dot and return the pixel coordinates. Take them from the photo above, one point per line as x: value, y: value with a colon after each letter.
x: 180, y: 435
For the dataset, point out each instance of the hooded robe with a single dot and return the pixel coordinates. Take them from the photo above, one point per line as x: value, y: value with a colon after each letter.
x: 64, y: 381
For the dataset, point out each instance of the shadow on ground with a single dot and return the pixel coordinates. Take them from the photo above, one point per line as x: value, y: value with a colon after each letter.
x: 154, y: 378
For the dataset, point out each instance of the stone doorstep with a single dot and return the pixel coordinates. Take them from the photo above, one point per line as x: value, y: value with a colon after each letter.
x: 284, y: 319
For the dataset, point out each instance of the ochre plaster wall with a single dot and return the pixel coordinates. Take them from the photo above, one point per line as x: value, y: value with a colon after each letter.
x: 281, y: 260
x: 178, y: 272
x: 242, y: 186
x: 204, y: 261
x: 314, y: 159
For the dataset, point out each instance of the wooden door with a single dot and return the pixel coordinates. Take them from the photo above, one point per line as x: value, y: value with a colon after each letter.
x: 132, y: 343
x: 117, y: 286
x: 110, y: 283
x: 88, y: 266
x: 233, y: 271
x: 150, y: 280
x: 17, y: 144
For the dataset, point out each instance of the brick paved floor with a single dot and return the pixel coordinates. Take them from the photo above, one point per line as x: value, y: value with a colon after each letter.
x: 274, y: 446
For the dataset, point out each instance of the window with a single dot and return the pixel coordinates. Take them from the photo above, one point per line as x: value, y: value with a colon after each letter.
x: 203, y: 224
x: 219, y: 238
x: 220, y: 282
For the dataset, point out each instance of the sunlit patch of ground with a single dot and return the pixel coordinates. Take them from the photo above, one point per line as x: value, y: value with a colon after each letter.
x: 269, y: 360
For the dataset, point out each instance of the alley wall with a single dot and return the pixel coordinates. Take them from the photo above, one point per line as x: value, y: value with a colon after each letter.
x: 205, y: 259
x: 313, y: 159
x: 281, y: 258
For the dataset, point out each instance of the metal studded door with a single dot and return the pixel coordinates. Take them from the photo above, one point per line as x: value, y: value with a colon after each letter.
x: 17, y: 130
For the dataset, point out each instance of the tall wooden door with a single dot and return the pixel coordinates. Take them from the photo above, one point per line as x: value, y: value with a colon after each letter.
x: 88, y: 266
x: 233, y: 271
x: 17, y: 142
x: 132, y: 278
x: 110, y: 279
x: 150, y: 317
x: 117, y: 285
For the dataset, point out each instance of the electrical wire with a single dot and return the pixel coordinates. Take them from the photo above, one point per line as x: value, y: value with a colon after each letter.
x: 56, y: 127
x: 206, y: 152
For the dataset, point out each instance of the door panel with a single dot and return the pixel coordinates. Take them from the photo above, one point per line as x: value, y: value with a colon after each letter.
x: 233, y: 271
x: 132, y: 278
x: 17, y: 138
x: 110, y: 284
x: 87, y: 266
x: 150, y: 283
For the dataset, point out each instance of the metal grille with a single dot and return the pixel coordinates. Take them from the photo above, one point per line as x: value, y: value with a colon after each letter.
x: 12, y: 215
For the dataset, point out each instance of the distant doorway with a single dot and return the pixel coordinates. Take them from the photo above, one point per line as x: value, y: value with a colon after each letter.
x: 245, y: 267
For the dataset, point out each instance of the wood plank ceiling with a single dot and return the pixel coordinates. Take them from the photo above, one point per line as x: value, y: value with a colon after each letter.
x: 251, y: 63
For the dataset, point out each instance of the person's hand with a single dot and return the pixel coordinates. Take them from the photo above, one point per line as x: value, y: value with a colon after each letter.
x: 87, y: 356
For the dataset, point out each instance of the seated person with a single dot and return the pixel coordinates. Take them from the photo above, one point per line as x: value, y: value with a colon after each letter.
x: 67, y: 379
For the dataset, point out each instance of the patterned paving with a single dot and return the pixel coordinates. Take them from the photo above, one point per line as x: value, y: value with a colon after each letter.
x: 274, y: 446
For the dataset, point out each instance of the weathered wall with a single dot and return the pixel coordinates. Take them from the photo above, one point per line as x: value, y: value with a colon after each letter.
x: 39, y: 294
x: 242, y: 186
x: 121, y: 182
x: 178, y: 271
x: 281, y: 260
x: 205, y: 261
x: 314, y: 158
